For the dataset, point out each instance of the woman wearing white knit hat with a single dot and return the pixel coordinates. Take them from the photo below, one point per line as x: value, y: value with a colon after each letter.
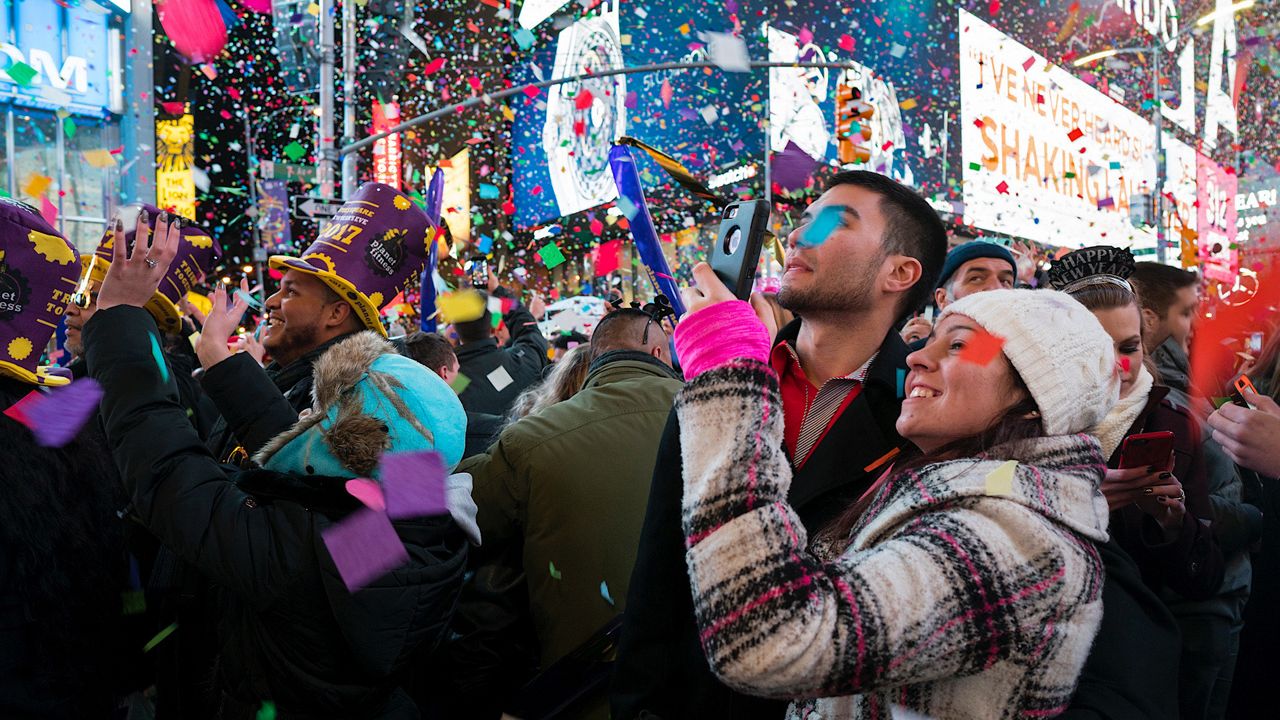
x: 963, y: 584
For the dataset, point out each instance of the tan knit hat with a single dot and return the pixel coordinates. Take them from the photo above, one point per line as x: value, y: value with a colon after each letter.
x: 1059, y: 349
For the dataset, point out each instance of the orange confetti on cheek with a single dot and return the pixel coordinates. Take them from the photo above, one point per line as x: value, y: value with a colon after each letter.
x: 982, y: 348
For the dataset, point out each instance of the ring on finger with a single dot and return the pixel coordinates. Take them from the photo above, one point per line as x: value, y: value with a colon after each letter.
x: 150, y: 263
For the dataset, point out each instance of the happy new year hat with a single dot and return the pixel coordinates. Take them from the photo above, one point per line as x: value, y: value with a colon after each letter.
x: 197, y: 254
x: 37, y: 276
x: 372, y: 248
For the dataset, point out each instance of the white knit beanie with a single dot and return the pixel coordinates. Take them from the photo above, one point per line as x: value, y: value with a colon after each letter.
x: 1058, y: 348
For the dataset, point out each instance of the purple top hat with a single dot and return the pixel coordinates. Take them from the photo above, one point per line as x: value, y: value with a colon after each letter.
x: 377, y: 243
x: 38, y: 273
x: 196, y: 255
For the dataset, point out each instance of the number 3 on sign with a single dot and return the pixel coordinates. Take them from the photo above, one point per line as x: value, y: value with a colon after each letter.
x: 341, y: 232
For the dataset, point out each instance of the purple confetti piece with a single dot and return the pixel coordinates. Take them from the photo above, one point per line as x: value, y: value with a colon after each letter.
x: 364, y: 547
x: 792, y: 168
x: 55, y: 417
x: 413, y: 484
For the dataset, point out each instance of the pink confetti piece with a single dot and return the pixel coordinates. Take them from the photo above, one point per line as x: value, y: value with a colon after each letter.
x: 414, y: 484
x: 364, y: 547
x: 368, y: 492
x: 56, y: 417
x: 846, y: 43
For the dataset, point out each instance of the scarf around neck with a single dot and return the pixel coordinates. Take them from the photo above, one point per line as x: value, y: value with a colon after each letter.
x: 1111, y: 431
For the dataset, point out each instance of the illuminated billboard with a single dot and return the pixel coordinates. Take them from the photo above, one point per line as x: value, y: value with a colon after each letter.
x: 1044, y: 155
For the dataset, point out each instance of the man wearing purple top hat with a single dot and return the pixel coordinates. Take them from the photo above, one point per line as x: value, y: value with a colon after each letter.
x: 363, y: 258
x: 60, y: 548
x: 197, y: 253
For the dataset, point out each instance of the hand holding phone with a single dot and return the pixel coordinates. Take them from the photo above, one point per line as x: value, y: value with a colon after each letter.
x: 1143, y: 450
x: 478, y: 272
x: 736, y: 254
x: 1237, y: 395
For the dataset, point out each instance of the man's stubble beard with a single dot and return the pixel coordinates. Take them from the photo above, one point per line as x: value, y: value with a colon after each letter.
x: 854, y: 295
x: 295, y: 343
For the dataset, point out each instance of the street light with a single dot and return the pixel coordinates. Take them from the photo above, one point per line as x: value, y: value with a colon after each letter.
x: 1154, y: 49
x: 258, y: 255
x: 1210, y: 17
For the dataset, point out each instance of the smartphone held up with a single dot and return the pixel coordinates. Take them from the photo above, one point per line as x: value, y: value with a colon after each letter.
x: 736, y: 254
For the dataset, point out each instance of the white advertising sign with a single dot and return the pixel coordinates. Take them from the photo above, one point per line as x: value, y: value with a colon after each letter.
x: 1045, y: 156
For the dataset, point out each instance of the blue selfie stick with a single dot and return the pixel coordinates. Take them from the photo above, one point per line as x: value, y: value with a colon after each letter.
x: 427, y: 296
x: 627, y: 178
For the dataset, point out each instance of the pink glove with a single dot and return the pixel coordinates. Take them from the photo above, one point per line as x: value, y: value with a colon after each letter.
x: 717, y: 334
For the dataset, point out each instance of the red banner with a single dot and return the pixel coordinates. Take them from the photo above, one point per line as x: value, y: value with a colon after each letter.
x: 386, y: 152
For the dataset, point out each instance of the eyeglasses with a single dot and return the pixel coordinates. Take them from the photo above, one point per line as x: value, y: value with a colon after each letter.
x: 83, y: 296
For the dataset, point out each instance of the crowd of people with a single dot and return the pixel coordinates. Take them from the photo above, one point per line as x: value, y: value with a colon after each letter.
x: 912, y: 483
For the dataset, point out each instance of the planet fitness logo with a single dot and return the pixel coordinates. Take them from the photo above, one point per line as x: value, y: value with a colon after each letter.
x: 385, y: 254
x: 14, y: 292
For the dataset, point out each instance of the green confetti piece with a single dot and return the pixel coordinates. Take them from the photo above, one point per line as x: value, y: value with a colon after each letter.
x: 267, y: 711
x: 158, y: 356
x: 69, y: 127
x: 554, y: 572
x: 551, y: 255
x: 22, y: 73
x: 295, y: 150
x: 133, y: 602
x: 460, y: 383
x: 974, y: 166
x: 159, y: 638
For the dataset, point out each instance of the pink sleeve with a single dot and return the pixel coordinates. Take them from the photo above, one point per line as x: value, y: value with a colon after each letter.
x: 718, y: 333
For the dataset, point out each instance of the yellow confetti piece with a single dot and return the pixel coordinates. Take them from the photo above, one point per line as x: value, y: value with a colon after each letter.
x: 507, y: 113
x: 37, y: 184
x: 460, y: 306
x: 908, y: 104
x: 99, y: 158
x: 314, y: 9
x: 159, y: 638
x: 1000, y: 481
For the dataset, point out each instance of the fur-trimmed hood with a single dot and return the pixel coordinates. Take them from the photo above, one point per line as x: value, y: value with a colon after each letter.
x: 368, y: 399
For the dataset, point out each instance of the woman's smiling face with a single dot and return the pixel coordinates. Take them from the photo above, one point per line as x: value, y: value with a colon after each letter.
x: 949, y: 398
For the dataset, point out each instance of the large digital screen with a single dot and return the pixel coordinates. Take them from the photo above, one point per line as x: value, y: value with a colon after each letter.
x: 561, y: 135
x: 1044, y: 155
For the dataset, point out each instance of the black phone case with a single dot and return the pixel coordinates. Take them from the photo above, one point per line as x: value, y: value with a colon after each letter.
x: 737, y: 270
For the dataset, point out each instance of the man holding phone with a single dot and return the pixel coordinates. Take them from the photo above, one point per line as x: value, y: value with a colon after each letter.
x: 852, y: 278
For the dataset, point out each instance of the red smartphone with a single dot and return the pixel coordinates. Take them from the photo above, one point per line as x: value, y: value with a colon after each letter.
x: 1153, y: 449
x: 1237, y: 395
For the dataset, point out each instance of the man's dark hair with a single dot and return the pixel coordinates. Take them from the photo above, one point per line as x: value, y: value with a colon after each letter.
x: 478, y: 329
x: 624, y: 329
x: 912, y: 228
x: 1158, y: 285
x: 430, y: 350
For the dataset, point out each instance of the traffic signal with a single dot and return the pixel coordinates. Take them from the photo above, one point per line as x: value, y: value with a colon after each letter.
x: 852, y: 129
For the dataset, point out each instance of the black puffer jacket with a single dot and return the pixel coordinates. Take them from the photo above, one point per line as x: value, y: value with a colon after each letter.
x: 288, y: 630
